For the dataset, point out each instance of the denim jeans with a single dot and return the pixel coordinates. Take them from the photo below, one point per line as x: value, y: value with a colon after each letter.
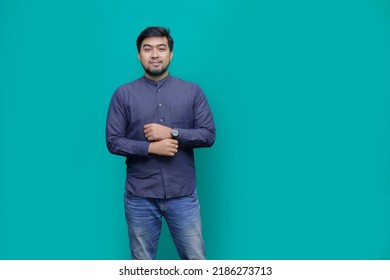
x: 144, y: 221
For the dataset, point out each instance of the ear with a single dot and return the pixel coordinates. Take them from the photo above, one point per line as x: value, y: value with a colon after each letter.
x: 139, y: 56
x: 171, y: 55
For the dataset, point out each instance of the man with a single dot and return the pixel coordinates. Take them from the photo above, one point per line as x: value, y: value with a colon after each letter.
x: 155, y: 122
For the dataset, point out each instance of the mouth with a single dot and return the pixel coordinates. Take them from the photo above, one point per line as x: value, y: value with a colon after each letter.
x: 155, y: 63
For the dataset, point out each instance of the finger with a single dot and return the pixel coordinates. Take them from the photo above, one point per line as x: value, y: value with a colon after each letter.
x: 174, y: 146
x: 170, y: 154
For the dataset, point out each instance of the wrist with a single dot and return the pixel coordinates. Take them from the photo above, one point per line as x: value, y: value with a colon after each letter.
x: 151, y: 148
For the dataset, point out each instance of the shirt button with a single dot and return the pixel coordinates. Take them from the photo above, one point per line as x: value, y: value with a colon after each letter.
x: 159, y: 105
x: 161, y: 120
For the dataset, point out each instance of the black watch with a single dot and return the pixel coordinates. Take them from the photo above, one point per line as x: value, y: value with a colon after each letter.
x: 174, y: 133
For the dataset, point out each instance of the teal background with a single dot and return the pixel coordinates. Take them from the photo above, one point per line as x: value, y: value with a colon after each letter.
x: 300, y: 95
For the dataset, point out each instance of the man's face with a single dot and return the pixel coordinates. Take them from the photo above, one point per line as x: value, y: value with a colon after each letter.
x: 155, y: 57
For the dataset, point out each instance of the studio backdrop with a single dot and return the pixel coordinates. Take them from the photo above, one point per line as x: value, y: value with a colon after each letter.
x: 300, y: 92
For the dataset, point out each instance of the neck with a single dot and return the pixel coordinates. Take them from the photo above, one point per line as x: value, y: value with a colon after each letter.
x: 156, y: 78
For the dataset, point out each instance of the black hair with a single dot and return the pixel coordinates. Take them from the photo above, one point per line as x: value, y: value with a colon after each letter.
x: 155, y: 31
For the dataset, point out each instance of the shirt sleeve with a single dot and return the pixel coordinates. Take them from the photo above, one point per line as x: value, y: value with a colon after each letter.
x: 202, y: 134
x: 116, y: 127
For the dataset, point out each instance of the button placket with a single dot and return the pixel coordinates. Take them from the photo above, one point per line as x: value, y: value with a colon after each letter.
x: 160, y: 107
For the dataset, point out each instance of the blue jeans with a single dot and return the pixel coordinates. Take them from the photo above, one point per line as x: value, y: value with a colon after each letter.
x: 144, y: 221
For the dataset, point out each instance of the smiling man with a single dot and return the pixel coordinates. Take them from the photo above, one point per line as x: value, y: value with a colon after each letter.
x: 155, y: 122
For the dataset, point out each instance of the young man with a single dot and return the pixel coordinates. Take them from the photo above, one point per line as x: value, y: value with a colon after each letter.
x: 155, y: 122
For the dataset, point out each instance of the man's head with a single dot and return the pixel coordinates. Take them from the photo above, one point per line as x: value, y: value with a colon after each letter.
x: 155, y: 51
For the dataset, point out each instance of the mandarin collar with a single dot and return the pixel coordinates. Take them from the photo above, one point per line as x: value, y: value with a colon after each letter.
x: 159, y: 83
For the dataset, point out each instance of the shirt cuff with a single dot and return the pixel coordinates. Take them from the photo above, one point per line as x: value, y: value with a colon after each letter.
x: 142, y: 148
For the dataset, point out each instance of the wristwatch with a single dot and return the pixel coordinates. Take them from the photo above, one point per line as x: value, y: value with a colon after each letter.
x: 174, y: 133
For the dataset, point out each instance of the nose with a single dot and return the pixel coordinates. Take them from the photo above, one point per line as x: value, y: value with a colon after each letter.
x: 154, y: 53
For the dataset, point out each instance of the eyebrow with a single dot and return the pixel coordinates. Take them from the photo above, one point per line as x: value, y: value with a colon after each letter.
x: 159, y: 45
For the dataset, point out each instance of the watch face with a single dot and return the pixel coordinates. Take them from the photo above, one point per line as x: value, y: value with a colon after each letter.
x: 174, y: 133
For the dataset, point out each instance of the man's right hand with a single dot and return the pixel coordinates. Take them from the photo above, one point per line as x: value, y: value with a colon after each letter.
x: 165, y: 147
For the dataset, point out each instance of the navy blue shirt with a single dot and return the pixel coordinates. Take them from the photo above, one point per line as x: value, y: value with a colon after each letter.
x: 171, y: 102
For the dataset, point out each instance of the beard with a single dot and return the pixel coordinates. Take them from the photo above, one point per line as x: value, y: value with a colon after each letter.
x: 155, y: 72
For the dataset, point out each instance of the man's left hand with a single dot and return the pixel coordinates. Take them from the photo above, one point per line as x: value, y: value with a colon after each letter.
x: 156, y: 132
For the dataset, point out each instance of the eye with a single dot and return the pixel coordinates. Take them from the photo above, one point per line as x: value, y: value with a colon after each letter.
x: 162, y: 49
x: 147, y: 49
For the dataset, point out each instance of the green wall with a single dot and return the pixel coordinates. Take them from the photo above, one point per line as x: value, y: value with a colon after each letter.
x: 300, y: 91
